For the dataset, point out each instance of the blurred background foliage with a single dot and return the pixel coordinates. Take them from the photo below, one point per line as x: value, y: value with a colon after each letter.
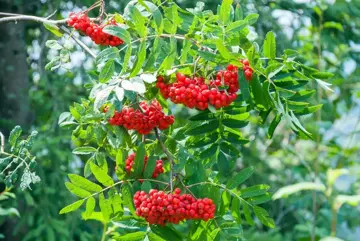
x: 325, y: 32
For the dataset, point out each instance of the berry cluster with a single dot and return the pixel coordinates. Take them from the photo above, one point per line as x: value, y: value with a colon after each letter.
x: 158, y: 168
x: 158, y: 207
x: 143, y: 121
x: 196, y: 93
x: 248, y: 72
x: 81, y: 22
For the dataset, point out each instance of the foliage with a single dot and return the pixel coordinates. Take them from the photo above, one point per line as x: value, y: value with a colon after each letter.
x: 20, y: 161
x: 277, y: 87
x: 281, y: 161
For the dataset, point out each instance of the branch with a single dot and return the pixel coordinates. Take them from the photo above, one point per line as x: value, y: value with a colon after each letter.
x: 2, y: 142
x: 169, y: 155
x: 16, y: 18
x: 79, y: 42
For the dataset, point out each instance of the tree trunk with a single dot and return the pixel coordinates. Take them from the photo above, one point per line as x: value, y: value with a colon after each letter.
x: 14, y: 82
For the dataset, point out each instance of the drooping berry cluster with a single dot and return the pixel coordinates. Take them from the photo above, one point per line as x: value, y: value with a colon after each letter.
x: 130, y: 162
x: 196, y: 93
x: 248, y: 72
x: 81, y: 22
x: 143, y: 121
x: 158, y: 207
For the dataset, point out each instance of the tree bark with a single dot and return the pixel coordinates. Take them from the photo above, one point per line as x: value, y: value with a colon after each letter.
x: 14, y: 81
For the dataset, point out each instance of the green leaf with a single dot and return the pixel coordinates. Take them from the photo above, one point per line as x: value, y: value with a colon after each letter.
x: 101, y: 97
x: 154, y: 237
x: 185, y: 50
x: 204, y: 128
x: 139, y: 160
x: 154, y: 10
x: 139, y: 60
x: 253, y: 191
x: 251, y: 54
x: 146, y: 186
x: 90, y: 206
x: 322, y: 75
x: 275, y: 122
x: 101, y: 175
x: 126, y: 59
x: 127, y: 197
x: 84, y: 150
x: 204, y: 115
x: 116, y: 203
x: 209, y: 152
x: 105, y: 207
x: 118, y: 32
x: 235, y: 209
x: 209, y: 56
x: 291, y: 189
x: 223, y: 50
x: 166, y: 233
x: 84, y: 183
x: 77, y: 190
x: 334, y: 25
x: 225, y: 10
x: 72, y: 207
x: 244, y: 87
x: 247, y: 214
x: 53, y: 29
x: 223, y: 163
x: 108, y: 53
x: 139, y: 21
x: 263, y: 216
x: 170, y: 58
x: 333, y: 174
x: 269, y: 47
x: 240, y: 177
x: 302, y: 95
x: 239, y: 15
x: 234, y: 138
x: 252, y: 18
x: 353, y: 200
x: 149, y: 168
x: 236, y: 27
x: 14, y: 135
x: 148, y: 78
x: 331, y: 239
x: 233, y: 123
x: 137, y: 236
x: 53, y: 44
x: 308, y: 110
x: 107, y: 71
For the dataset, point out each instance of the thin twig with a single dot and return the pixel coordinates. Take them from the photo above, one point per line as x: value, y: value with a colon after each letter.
x: 169, y: 155
x: 15, y: 18
x: 220, y: 186
x: 78, y: 41
x: 102, y: 10
x: 2, y: 142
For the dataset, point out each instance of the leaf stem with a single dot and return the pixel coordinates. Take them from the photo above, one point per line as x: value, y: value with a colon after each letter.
x: 14, y: 156
x: 79, y: 42
x: 220, y: 186
x: 169, y: 155
x: 104, y: 232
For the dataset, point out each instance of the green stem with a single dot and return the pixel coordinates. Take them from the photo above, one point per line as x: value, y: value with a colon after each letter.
x: 104, y: 232
x: 318, y: 119
x: 333, y: 222
x: 169, y: 156
x: 220, y: 186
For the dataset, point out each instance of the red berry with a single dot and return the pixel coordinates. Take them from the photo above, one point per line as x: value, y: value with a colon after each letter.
x: 82, y: 22
x: 160, y: 208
